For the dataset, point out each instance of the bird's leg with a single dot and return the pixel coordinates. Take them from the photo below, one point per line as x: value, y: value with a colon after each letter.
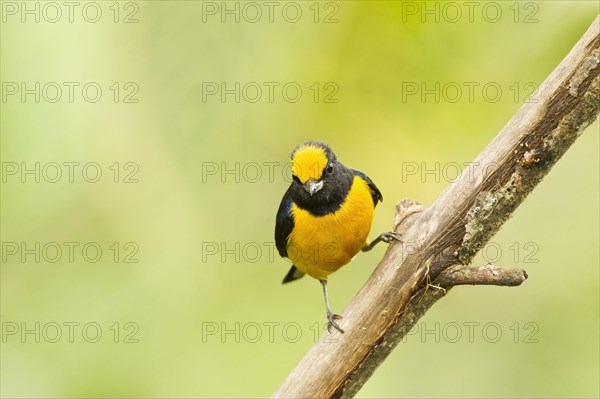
x: 331, y: 317
x: 385, y: 237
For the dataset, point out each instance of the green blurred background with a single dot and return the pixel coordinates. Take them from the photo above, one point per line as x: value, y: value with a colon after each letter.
x: 203, y: 313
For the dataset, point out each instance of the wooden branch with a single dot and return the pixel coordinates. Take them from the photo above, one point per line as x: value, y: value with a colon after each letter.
x: 439, y: 241
x: 484, y: 275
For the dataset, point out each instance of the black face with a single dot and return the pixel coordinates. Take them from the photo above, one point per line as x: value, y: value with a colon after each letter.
x: 336, y: 180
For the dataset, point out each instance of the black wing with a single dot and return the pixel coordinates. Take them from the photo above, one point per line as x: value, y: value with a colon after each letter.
x: 284, y: 223
x: 375, y: 193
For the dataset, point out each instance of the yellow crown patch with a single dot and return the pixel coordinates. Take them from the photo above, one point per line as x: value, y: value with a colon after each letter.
x: 309, y: 162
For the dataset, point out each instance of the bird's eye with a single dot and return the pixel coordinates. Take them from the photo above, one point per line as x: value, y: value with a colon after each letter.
x: 296, y: 179
x: 329, y: 169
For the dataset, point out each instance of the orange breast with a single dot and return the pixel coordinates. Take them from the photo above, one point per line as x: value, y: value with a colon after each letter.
x: 320, y: 245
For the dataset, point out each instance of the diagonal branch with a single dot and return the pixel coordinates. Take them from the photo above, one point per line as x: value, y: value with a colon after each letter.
x: 440, y: 241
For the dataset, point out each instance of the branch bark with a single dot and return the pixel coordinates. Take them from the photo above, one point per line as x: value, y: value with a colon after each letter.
x: 438, y: 242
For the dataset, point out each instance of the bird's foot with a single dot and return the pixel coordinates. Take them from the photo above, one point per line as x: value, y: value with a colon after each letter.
x: 385, y: 237
x: 331, y: 317
x: 391, y: 235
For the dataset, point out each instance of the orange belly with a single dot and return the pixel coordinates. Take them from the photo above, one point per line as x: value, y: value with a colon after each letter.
x: 320, y: 245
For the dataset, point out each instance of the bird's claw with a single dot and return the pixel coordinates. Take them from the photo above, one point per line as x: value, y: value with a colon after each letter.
x: 391, y: 235
x: 331, y: 322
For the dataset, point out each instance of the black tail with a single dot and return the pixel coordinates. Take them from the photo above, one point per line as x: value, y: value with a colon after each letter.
x: 293, y: 274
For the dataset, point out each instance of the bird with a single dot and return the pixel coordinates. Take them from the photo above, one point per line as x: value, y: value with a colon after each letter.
x: 325, y: 217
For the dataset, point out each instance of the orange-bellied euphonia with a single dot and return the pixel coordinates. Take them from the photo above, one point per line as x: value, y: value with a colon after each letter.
x: 325, y: 216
